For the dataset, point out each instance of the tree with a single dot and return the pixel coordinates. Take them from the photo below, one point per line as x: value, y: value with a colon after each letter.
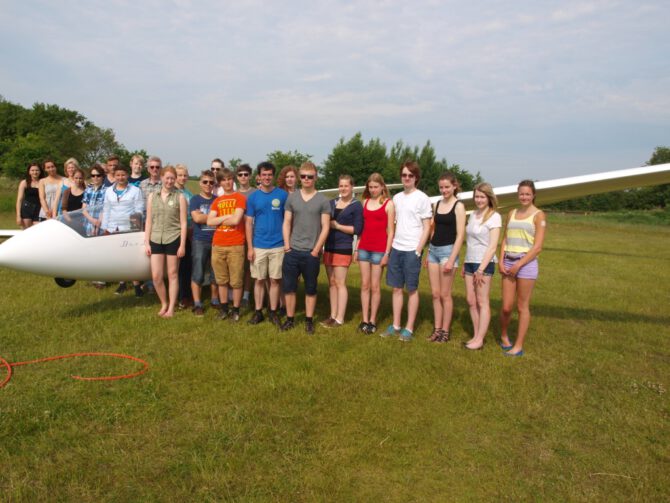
x: 291, y: 157
x: 355, y: 158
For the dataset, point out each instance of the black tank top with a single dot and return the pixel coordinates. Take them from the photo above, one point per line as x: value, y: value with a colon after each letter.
x: 32, y: 194
x: 445, y: 226
x: 74, y: 202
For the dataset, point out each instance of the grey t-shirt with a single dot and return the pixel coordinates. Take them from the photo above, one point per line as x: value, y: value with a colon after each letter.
x: 306, y: 224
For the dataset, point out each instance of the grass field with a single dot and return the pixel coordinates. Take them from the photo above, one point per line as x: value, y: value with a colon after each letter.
x: 232, y: 413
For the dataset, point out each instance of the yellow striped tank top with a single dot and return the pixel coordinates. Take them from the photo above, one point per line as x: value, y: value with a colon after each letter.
x: 520, y: 234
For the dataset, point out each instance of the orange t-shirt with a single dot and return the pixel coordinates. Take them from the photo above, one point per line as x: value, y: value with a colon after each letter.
x: 225, y: 235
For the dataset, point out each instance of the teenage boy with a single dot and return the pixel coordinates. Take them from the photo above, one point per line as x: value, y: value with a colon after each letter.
x: 305, y: 229
x: 216, y: 166
x: 227, y: 215
x: 243, y: 173
x: 201, y: 247
x: 412, y: 215
x: 110, y: 166
x: 265, y: 241
x: 136, y: 170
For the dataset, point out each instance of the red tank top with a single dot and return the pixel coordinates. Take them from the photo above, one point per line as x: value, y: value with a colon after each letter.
x: 375, y: 222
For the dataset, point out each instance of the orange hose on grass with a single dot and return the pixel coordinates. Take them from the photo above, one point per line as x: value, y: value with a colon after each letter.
x: 145, y: 366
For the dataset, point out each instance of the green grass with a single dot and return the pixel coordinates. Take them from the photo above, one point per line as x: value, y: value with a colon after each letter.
x: 234, y: 413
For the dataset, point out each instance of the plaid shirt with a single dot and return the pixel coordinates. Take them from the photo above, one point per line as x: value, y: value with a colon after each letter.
x: 93, y: 200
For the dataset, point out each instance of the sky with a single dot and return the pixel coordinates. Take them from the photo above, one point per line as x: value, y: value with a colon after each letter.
x: 525, y: 89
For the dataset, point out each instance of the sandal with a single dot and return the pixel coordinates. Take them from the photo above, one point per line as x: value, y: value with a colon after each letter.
x: 436, y: 335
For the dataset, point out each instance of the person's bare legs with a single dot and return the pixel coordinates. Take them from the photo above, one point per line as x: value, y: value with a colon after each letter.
x: 375, y: 291
x: 340, y: 275
x: 483, y: 308
x: 310, y: 305
x: 365, y: 291
x: 412, y: 309
x: 173, y: 284
x: 332, y: 290
x: 259, y: 294
x: 436, y: 293
x: 397, y: 301
x: 508, y: 295
x: 157, y: 274
x: 446, y: 283
x: 524, y: 290
x: 471, y: 298
x: 289, y: 303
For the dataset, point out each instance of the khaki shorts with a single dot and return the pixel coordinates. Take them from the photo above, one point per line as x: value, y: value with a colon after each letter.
x: 228, y: 265
x: 267, y: 263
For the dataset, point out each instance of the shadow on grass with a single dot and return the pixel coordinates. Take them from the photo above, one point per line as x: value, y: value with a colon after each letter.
x: 601, y: 252
x: 113, y: 303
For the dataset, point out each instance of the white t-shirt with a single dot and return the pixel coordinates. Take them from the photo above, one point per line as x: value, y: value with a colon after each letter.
x: 410, y: 212
x: 478, y: 236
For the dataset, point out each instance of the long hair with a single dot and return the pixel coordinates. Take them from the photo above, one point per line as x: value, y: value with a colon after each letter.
x: 450, y: 177
x: 376, y: 178
x: 527, y: 183
x: 281, y: 179
x: 487, y: 190
x: 29, y: 179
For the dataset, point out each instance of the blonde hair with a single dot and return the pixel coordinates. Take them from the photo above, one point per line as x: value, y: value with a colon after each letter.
x: 71, y: 160
x: 376, y: 178
x: 487, y: 190
x: 181, y: 167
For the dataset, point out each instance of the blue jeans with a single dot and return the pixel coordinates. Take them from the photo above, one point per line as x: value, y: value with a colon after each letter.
x: 201, y: 261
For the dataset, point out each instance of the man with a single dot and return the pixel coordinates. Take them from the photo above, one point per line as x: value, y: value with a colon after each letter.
x: 412, y: 214
x: 110, y: 166
x: 265, y: 241
x: 243, y: 172
x: 227, y: 215
x: 123, y: 207
x: 216, y: 166
x: 136, y: 170
x: 153, y: 183
x: 305, y: 229
x: 201, y: 247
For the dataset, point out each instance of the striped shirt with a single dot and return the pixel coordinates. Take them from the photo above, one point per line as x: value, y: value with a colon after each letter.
x: 520, y: 236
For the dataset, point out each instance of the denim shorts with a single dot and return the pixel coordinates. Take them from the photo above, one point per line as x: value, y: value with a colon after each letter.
x: 201, y: 261
x: 370, y: 256
x: 403, y: 270
x: 297, y: 263
x: 471, y: 267
x: 440, y: 254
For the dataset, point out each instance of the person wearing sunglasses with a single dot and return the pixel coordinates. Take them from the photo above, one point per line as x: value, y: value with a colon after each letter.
x: 413, y: 215
x: 201, y: 252
x: 245, y: 188
x: 92, y: 200
x: 153, y: 183
x: 305, y: 229
x: 215, y: 167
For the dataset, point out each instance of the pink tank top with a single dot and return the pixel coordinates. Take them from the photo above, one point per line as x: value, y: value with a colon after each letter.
x: 375, y: 222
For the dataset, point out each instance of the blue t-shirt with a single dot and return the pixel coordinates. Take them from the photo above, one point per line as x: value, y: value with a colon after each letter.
x: 201, y: 232
x: 267, y: 210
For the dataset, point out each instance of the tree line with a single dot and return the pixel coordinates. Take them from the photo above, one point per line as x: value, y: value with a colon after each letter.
x: 49, y: 131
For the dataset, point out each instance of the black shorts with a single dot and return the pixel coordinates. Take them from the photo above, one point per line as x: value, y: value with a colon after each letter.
x: 297, y: 263
x: 166, y: 248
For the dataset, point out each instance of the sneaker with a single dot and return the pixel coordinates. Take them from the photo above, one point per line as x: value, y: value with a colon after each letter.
x: 198, y: 311
x: 287, y: 325
x: 273, y: 318
x: 405, y: 335
x: 309, y: 326
x: 371, y: 329
x: 138, y: 291
x: 121, y: 289
x: 235, y: 315
x: 256, y: 318
x: 363, y: 327
x: 328, y: 323
x: 223, y: 314
x: 391, y: 331
x: 282, y: 311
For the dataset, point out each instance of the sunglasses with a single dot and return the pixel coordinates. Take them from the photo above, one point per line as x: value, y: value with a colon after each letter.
x: 154, y: 167
x: 215, y: 169
x: 407, y: 175
x: 307, y: 177
x: 94, y: 175
x: 244, y: 173
x: 207, y: 182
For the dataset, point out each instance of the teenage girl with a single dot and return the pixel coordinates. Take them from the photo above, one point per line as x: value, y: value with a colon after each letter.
x: 28, y: 197
x: 49, y: 189
x: 346, y: 220
x: 448, y: 233
x: 482, y: 234
x: 524, y: 236
x: 373, y: 247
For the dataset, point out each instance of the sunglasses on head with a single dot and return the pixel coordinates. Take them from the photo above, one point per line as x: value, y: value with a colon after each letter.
x: 307, y: 177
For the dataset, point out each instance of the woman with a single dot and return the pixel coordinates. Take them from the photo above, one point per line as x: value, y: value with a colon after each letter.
x: 28, y: 197
x: 70, y: 167
x: 165, y: 238
x: 448, y: 233
x: 374, y: 247
x: 482, y: 234
x: 288, y: 178
x: 49, y: 189
x: 93, y: 199
x: 73, y: 195
x: 346, y: 219
x: 524, y: 236
x: 185, y: 266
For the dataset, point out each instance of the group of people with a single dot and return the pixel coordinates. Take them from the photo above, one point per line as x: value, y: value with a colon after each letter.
x: 234, y: 234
